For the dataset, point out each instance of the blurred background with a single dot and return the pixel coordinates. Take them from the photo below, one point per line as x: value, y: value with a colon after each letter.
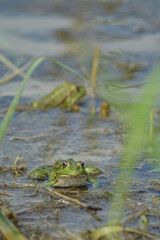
x: 126, y: 32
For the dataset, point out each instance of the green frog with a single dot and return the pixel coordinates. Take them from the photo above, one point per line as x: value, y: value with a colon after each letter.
x: 65, y: 173
x: 65, y: 96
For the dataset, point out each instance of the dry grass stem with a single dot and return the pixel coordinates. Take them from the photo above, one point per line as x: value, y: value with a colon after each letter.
x: 94, y: 69
x: 16, y: 71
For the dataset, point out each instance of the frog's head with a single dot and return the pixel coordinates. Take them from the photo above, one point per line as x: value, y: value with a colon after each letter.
x: 73, y: 95
x: 69, y: 167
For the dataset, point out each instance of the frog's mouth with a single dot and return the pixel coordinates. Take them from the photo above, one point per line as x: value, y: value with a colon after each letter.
x: 71, y: 181
x: 74, y: 174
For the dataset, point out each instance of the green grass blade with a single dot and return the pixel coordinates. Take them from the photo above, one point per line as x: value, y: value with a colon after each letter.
x: 101, y: 232
x: 8, y: 229
x: 15, y: 101
x: 69, y: 69
x: 138, y: 137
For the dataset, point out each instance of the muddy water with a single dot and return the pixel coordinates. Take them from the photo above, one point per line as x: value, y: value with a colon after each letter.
x: 127, y: 34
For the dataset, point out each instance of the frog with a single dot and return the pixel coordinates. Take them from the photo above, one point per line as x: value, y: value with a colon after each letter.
x: 65, y: 173
x: 64, y: 96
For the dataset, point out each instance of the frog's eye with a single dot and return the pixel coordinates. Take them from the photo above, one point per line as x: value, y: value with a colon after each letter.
x: 82, y: 164
x: 64, y: 164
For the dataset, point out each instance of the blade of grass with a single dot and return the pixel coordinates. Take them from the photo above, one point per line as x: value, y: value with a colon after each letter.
x: 15, y: 163
x: 8, y: 229
x: 151, y: 124
x: 101, y: 232
x: 15, y: 101
x: 138, y: 137
x: 69, y: 69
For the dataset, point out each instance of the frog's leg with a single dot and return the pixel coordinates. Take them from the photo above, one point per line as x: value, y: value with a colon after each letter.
x: 75, y: 108
x: 92, y: 170
x: 80, y: 93
x: 92, y: 180
x: 76, y: 93
x: 41, y: 172
x: 48, y: 184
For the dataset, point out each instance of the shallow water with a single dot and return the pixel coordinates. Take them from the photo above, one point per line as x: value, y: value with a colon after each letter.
x: 128, y: 39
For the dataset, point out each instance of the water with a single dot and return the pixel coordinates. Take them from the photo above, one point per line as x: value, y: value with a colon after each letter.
x: 127, y: 34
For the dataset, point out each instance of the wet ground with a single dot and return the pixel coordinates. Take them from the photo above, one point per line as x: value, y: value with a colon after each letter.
x: 128, y: 36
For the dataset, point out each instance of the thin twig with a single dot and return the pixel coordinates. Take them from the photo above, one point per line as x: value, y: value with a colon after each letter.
x: 16, y: 71
x: 7, y: 194
x: 66, y: 197
x: 54, y: 192
x: 8, y: 63
x: 33, y: 138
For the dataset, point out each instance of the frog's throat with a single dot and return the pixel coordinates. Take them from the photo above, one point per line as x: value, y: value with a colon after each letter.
x: 74, y: 174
